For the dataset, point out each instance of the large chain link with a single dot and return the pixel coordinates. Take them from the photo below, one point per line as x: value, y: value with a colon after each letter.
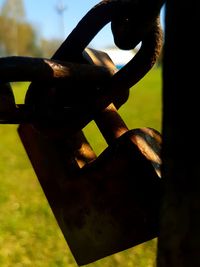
x: 40, y: 95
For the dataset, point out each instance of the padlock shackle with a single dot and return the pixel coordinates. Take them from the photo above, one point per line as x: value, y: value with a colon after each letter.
x: 110, y: 123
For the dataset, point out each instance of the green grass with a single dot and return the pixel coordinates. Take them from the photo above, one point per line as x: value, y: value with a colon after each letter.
x: 29, y: 235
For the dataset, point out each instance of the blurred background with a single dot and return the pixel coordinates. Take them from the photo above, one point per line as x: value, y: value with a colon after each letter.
x: 29, y: 234
x: 38, y: 28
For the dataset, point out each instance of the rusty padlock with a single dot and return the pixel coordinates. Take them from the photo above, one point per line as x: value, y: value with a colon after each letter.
x: 109, y: 204
x: 103, y: 191
x: 103, y: 204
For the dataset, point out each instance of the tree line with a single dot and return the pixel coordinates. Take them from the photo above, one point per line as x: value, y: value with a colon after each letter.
x: 19, y: 37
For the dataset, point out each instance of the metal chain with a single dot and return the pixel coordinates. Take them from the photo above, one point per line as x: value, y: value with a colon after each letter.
x: 70, y: 56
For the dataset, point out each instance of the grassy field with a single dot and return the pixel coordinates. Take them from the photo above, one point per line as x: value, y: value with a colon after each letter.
x: 29, y: 235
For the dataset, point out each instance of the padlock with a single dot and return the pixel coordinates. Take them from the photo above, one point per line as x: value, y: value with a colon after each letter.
x: 62, y: 158
x: 106, y: 204
x: 110, y: 204
x: 103, y: 204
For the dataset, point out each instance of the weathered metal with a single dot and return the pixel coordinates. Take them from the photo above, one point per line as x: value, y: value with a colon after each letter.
x: 117, y: 88
x: 43, y: 70
x: 102, y: 204
x: 15, y: 68
x: 109, y: 205
x: 64, y: 65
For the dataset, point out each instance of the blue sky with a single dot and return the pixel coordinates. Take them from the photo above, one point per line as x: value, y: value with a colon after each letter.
x: 45, y: 18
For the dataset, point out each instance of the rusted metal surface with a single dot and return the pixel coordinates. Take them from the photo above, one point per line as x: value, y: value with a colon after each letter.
x: 62, y: 102
x: 13, y: 69
x: 110, y: 123
x: 49, y: 72
x: 109, y: 205
x: 117, y: 88
x: 103, y: 204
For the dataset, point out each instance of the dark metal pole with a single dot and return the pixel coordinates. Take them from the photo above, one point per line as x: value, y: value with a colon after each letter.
x: 179, y: 241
